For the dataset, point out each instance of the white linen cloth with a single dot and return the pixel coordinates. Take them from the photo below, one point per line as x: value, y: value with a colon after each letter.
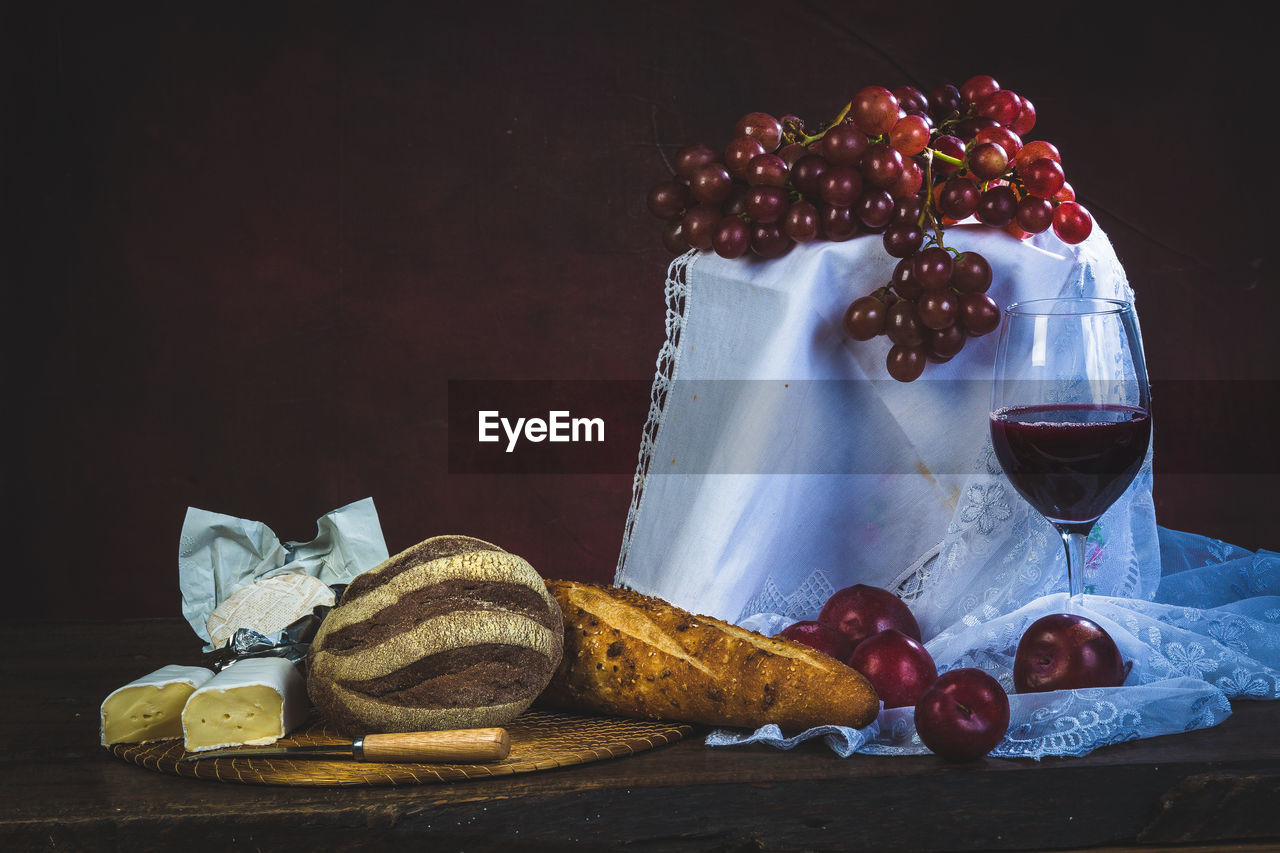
x: 781, y: 463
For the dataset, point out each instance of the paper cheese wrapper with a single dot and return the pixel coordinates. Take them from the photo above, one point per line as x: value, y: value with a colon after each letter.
x: 219, y: 555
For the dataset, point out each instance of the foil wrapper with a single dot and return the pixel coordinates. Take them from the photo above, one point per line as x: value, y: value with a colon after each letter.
x: 292, y: 642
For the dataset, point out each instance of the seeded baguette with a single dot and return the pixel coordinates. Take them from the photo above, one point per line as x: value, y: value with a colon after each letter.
x: 452, y: 633
x: 633, y: 655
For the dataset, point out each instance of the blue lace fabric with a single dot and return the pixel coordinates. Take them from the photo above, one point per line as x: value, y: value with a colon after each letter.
x: 1210, y: 634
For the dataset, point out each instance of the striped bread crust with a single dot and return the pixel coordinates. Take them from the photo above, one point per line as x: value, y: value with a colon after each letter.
x: 452, y: 633
x: 455, y: 630
x: 424, y: 552
x: 473, y: 567
x: 359, y: 708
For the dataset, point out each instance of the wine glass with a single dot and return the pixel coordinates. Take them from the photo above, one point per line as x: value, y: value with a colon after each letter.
x: 1070, y: 412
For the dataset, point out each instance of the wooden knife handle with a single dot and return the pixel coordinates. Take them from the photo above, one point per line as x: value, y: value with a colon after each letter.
x: 456, y: 746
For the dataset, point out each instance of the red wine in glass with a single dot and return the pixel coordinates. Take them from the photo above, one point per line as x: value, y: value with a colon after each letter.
x: 1071, y: 462
x: 1070, y: 411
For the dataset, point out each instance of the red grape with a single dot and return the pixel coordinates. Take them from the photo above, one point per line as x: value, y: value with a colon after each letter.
x: 1034, y: 214
x: 801, y: 222
x: 766, y: 204
x: 807, y: 173
x: 739, y: 153
x: 844, y: 145
x: 711, y: 183
x: 944, y: 343
x: 874, y: 110
x: 978, y: 87
x: 988, y: 161
x: 909, y: 135
x: 673, y: 237
x: 1026, y: 118
x: 909, y: 183
x: 768, y: 241
x: 905, y: 364
x: 1002, y: 136
x: 700, y: 225
x: 933, y: 268
x: 690, y: 157
x: 668, y: 199
x: 1071, y: 222
x: 736, y: 203
x: 911, y: 99
x: 944, y: 101
x: 903, y: 239
x: 959, y: 198
x: 762, y: 127
x: 882, y: 164
x: 840, y: 185
x: 838, y: 223
x: 732, y: 238
x: 1034, y: 151
x: 972, y: 273
x: 1042, y: 177
x: 767, y: 170
x: 902, y: 324
x: 907, y: 209
x: 1067, y: 193
x: 865, y: 318
x: 970, y: 127
x: 937, y: 309
x: 979, y: 314
x: 874, y: 208
x: 997, y: 206
x: 1002, y: 106
x: 904, y: 279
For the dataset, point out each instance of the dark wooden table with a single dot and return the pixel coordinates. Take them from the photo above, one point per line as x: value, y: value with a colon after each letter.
x: 1210, y: 790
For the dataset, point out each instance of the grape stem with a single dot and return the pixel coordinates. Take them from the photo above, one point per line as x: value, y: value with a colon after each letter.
x: 927, y: 207
x: 946, y: 158
x: 806, y: 139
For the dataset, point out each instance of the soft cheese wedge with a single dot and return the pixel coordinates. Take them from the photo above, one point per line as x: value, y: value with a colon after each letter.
x: 254, y: 702
x: 151, y: 707
x: 267, y: 606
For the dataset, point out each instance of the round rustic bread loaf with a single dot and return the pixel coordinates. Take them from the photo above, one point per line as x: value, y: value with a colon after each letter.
x: 453, y: 633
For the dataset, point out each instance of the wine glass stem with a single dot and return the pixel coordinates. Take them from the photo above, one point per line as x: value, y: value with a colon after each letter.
x: 1073, y: 540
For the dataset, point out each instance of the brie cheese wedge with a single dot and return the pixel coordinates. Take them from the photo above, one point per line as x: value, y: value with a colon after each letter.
x: 150, y: 708
x: 255, y: 702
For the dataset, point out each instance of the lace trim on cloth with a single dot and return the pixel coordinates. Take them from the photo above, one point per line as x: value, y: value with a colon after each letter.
x: 803, y: 603
x: 677, y: 293
x: 911, y: 581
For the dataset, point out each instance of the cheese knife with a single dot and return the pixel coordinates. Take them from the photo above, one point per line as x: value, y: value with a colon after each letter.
x: 466, y: 746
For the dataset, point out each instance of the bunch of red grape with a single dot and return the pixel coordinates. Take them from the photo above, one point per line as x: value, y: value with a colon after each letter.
x: 898, y: 163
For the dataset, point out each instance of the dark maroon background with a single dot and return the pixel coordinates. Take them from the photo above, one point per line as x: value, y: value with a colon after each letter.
x: 252, y: 243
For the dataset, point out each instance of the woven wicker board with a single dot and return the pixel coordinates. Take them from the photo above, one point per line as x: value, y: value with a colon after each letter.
x: 540, y: 740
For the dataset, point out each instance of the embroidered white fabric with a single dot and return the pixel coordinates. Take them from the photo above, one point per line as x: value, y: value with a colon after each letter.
x: 780, y: 463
